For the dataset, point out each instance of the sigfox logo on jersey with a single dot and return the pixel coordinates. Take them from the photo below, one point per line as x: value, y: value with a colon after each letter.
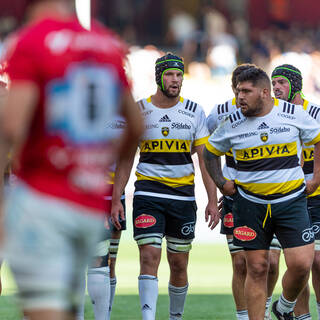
x: 165, y: 119
x: 228, y: 220
x: 244, y: 233
x: 145, y: 221
x: 264, y: 136
x: 179, y: 125
x: 165, y: 131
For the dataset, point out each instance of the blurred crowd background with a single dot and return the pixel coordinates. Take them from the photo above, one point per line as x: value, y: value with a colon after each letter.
x: 213, y: 36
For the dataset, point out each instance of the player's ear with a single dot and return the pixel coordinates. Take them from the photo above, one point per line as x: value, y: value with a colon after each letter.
x: 265, y: 92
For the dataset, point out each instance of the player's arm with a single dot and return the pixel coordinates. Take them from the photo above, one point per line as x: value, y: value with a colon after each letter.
x: 211, y: 209
x: 313, y: 184
x: 15, y: 120
x: 213, y: 166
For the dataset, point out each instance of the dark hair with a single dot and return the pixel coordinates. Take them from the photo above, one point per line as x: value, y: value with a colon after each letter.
x: 256, y: 76
x: 239, y: 69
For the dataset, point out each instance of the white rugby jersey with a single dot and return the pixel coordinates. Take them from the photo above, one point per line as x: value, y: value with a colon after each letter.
x: 218, y: 113
x: 165, y: 167
x: 308, y: 152
x: 267, y: 150
x: 116, y: 127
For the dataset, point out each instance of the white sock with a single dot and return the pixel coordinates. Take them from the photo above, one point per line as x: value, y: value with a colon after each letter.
x: 177, y: 297
x: 318, y: 309
x: 99, y: 291
x: 284, y: 305
x: 80, y: 311
x: 113, y: 284
x: 268, y: 305
x: 148, y: 292
x: 242, y: 315
x: 306, y: 316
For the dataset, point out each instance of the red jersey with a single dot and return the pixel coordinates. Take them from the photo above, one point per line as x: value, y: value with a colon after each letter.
x: 80, y: 78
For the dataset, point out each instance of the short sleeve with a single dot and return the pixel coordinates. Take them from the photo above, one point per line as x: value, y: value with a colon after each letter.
x: 219, y: 142
x: 309, y: 128
x: 202, y: 132
x: 212, y: 120
x: 21, y: 63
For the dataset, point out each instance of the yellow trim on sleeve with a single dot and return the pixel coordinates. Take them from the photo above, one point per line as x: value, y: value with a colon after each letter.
x: 313, y: 141
x: 200, y: 141
x: 213, y: 150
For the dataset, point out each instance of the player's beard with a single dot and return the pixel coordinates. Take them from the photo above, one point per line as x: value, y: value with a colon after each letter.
x: 171, y: 95
x: 258, y: 107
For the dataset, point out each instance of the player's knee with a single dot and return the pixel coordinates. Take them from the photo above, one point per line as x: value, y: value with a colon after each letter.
x: 149, y: 256
x: 316, y: 262
x: 239, y: 264
x: 175, y: 245
x: 258, y: 270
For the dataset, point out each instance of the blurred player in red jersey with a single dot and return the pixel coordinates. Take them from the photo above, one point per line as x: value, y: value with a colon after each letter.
x: 66, y: 83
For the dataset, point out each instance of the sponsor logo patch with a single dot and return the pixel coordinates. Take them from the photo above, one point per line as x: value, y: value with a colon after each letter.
x: 145, y: 221
x: 187, y: 228
x: 262, y: 126
x: 165, y: 131
x: 264, y: 136
x: 244, y: 233
x: 228, y: 220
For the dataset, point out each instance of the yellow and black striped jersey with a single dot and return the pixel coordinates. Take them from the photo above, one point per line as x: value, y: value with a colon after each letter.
x: 267, y: 150
x: 218, y: 114
x: 308, y: 152
x: 165, y: 167
x: 115, y: 127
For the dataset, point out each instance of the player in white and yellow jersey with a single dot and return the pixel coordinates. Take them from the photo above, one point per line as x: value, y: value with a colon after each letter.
x: 287, y: 85
x: 101, y: 278
x: 217, y: 115
x: 164, y: 202
x: 265, y: 137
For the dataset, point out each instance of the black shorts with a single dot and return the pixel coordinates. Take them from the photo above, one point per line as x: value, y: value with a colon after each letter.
x: 123, y: 223
x: 168, y: 217
x: 255, y: 223
x: 314, y: 213
x: 227, y: 217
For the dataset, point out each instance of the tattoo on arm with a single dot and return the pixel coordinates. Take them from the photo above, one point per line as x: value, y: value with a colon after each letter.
x: 213, y: 165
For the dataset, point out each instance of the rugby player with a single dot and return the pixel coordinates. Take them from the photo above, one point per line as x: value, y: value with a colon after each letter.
x: 217, y: 115
x: 66, y: 82
x: 164, y: 203
x: 287, y: 85
x: 269, y: 190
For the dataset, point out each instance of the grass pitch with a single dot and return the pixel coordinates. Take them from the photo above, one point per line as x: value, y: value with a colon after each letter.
x: 209, y: 286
